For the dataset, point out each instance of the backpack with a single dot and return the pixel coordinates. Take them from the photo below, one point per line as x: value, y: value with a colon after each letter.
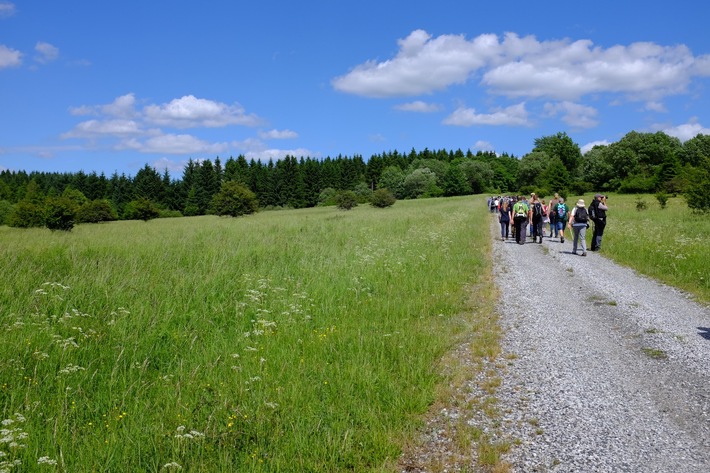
x: 581, y: 215
x: 537, y: 209
x: 520, y: 210
x: 593, y: 211
x: 561, y: 211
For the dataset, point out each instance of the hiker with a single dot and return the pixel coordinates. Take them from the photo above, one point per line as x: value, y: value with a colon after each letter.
x: 578, y: 223
x: 504, y: 220
x: 536, y: 214
x: 561, y: 211
x: 552, y: 215
x: 597, y: 213
x: 521, y: 213
x: 545, y: 217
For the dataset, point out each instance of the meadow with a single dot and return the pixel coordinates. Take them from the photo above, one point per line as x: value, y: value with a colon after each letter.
x: 669, y: 244
x: 304, y: 340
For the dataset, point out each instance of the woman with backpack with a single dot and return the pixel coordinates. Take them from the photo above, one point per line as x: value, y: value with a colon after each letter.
x: 578, y: 223
x: 504, y: 219
x: 561, y: 214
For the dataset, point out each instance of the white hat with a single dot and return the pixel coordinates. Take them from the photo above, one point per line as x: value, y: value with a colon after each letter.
x: 580, y: 203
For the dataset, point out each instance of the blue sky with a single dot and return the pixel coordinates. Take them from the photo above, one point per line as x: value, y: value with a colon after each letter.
x: 112, y: 86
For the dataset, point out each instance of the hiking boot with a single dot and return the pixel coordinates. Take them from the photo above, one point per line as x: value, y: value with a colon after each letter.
x: 584, y: 253
x: 562, y: 239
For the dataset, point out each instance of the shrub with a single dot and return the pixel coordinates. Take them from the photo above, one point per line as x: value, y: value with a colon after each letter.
x: 641, y: 204
x: 5, y: 211
x: 170, y: 214
x: 662, y: 199
x: 60, y: 213
x: 363, y: 192
x: 141, y: 209
x: 346, y: 200
x: 25, y: 215
x: 698, y: 189
x: 382, y: 198
x: 96, y: 211
x: 327, y: 196
x: 234, y: 200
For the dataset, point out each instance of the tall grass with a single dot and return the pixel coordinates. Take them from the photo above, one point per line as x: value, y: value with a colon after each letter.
x: 671, y: 245
x: 286, y: 341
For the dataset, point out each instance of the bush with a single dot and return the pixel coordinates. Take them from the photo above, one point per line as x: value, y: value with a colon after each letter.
x: 5, y: 211
x: 327, y: 196
x: 698, y: 189
x: 60, y: 213
x: 641, y: 204
x: 382, y: 198
x: 170, y: 214
x: 141, y: 209
x: 26, y: 215
x: 234, y: 200
x: 96, y: 211
x: 662, y: 199
x: 346, y: 200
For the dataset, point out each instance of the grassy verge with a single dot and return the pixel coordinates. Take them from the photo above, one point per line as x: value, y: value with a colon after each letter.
x: 287, y: 341
x: 670, y: 245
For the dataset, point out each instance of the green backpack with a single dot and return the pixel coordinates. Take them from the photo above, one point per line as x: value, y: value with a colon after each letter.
x: 562, y: 211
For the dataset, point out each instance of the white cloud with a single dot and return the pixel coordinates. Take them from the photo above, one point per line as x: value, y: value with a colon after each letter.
x: 132, y: 128
x: 6, y: 9
x: 418, y: 106
x: 574, y: 114
x: 96, y: 128
x: 9, y: 57
x: 410, y: 71
x: 173, y: 167
x: 278, y: 134
x: 174, y: 144
x: 515, y: 115
x: 524, y: 67
x: 687, y: 131
x: 655, y: 107
x: 191, y: 112
x: 592, y: 144
x: 483, y: 146
x: 276, y: 154
x: 46, y: 52
x: 123, y: 106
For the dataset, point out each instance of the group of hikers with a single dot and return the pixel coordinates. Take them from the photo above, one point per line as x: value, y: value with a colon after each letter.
x: 518, y: 215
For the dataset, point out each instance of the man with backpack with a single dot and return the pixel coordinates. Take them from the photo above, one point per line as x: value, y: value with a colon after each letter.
x: 521, y: 213
x: 536, y: 214
x: 578, y: 223
x: 597, y: 213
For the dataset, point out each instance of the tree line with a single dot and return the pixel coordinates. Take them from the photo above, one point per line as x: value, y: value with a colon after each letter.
x: 638, y: 163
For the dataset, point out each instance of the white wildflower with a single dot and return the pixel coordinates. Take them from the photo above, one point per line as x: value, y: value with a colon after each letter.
x: 70, y: 368
x: 172, y: 465
x: 46, y: 461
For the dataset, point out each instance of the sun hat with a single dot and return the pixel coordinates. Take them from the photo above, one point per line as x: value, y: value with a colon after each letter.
x: 580, y: 203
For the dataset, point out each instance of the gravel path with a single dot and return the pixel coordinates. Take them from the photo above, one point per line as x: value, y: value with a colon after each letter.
x: 605, y: 370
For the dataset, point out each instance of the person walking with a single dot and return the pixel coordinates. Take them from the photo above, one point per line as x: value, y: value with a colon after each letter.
x: 552, y: 214
x: 562, y: 214
x: 578, y: 223
x: 504, y: 220
x: 537, y: 214
x: 521, y: 213
x: 597, y: 213
x: 545, y: 217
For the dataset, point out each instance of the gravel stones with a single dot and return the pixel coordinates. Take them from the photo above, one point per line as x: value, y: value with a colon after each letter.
x: 607, y: 370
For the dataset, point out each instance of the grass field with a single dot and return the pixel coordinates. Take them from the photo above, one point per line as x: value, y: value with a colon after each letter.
x: 285, y: 341
x: 671, y: 245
